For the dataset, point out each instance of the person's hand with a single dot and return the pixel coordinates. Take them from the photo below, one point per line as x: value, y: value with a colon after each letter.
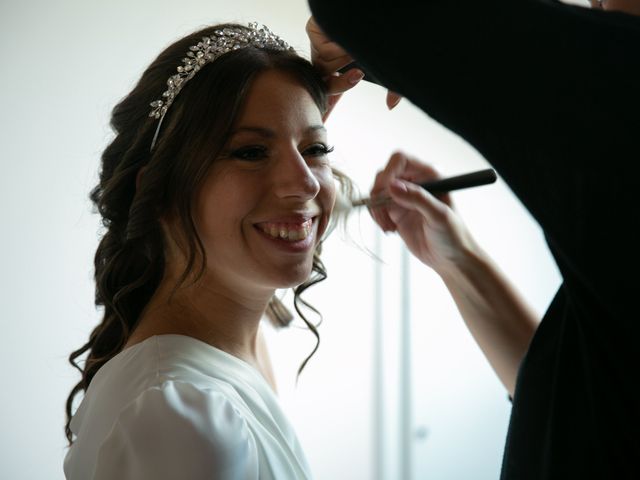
x: 329, y: 57
x: 428, y: 225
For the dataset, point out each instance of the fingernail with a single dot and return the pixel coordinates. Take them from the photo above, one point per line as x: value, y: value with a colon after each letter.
x: 355, y: 76
x: 399, y: 184
x: 394, y: 104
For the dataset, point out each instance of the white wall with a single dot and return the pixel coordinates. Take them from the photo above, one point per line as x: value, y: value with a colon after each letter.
x: 65, y: 64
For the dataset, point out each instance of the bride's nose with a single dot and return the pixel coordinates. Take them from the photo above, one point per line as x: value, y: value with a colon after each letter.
x: 292, y: 177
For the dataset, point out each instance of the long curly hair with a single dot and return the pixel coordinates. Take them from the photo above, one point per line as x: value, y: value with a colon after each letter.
x: 129, y: 261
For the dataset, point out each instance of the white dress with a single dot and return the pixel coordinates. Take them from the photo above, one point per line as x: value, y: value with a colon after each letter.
x: 174, y: 407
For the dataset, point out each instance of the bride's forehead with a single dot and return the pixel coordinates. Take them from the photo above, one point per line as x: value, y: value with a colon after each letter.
x: 269, y: 132
x: 272, y: 100
x: 277, y: 86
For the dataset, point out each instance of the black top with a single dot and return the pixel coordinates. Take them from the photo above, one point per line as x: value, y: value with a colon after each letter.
x: 550, y: 95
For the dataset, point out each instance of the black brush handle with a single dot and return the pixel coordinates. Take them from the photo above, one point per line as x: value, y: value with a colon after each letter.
x: 473, y: 179
x: 443, y: 185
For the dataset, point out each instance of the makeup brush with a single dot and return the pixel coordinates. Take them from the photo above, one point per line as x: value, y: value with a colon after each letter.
x: 435, y: 187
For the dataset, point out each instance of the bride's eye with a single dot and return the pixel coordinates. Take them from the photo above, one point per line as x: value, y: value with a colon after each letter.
x: 252, y: 153
x: 318, y: 149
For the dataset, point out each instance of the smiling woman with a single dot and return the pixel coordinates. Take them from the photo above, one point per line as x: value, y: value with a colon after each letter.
x: 212, y: 199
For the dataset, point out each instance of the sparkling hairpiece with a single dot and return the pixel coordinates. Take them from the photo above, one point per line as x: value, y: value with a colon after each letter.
x: 206, y: 51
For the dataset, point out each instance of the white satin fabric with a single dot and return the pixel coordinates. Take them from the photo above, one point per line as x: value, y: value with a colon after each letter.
x: 174, y: 407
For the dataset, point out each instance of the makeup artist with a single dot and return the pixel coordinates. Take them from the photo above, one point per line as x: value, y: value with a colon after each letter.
x: 549, y: 94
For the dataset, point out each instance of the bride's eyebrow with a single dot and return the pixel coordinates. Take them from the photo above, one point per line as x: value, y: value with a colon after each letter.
x: 268, y: 133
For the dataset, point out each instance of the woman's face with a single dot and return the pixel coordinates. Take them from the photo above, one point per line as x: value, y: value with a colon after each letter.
x: 267, y: 200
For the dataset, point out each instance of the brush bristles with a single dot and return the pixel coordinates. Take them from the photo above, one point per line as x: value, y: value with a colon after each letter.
x: 371, y: 202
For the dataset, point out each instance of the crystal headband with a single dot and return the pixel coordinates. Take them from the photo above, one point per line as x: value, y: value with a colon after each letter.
x: 206, y: 51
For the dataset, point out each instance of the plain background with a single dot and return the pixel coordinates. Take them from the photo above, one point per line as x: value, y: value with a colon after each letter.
x: 65, y: 65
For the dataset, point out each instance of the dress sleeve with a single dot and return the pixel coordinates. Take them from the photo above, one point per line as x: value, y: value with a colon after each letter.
x: 178, y: 431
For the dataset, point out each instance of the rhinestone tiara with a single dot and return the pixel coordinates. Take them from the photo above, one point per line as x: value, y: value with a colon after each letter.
x: 206, y: 51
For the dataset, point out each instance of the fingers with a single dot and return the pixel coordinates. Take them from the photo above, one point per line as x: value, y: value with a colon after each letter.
x: 393, y: 99
x: 412, y: 197
x: 394, y: 169
x: 338, y: 84
x: 327, y: 55
x: 381, y: 216
x: 331, y: 103
x: 406, y: 167
x: 402, y: 167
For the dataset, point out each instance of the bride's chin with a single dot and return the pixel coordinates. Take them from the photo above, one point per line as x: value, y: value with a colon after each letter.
x: 294, y: 279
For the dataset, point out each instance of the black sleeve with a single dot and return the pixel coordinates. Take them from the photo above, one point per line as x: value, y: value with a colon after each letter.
x: 548, y: 93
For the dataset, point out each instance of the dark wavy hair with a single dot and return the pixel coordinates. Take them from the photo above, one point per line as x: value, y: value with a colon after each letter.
x: 129, y: 261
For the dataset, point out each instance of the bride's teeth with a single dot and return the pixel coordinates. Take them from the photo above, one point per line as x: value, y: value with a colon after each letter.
x: 298, y: 232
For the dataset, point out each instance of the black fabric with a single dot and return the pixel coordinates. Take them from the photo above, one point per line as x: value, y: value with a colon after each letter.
x: 549, y: 94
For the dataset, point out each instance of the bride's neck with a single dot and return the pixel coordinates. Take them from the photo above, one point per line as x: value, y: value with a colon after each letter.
x: 219, y: 316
